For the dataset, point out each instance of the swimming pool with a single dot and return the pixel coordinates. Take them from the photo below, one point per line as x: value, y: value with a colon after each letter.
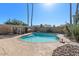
x: 40, y: 37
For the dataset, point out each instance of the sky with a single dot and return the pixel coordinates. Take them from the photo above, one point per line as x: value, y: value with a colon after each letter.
x: 51, y: 14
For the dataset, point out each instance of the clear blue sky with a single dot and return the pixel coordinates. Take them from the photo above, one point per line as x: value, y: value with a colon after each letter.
x: 53, y: 14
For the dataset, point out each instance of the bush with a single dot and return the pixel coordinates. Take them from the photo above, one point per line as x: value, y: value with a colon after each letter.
x: 15, y: 22
x: 73, y: 30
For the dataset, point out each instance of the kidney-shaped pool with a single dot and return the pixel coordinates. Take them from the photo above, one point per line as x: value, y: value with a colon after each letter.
x: 40, y: 37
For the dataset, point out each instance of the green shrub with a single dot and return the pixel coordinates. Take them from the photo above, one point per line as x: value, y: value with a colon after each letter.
x: 73, y: 30
x: 15, y: 22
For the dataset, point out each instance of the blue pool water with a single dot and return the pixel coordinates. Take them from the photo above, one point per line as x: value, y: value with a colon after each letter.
x: 40, y: 37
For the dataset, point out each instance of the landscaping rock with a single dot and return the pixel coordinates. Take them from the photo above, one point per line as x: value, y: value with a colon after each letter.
x: 66, y: 50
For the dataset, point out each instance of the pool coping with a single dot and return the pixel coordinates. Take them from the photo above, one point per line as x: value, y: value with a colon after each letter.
x: 22, y: 35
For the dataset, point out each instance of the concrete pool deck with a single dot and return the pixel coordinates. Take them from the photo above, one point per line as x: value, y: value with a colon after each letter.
x: 15, y: 47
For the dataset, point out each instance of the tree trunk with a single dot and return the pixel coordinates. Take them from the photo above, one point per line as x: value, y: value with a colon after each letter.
x: 70, y: 13
x: 76, y: 20
x: 27, y: 14
x: 32, y: 15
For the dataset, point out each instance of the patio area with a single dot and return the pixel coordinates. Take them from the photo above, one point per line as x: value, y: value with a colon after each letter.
x: 15, y: 47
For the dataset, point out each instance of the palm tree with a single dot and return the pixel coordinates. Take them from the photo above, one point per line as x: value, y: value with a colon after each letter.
x: 27, y: 14
x: 32, y: 14
x: 70, y: 13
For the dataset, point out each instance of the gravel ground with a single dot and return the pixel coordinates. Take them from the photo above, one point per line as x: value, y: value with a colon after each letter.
x: 66, y: 50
